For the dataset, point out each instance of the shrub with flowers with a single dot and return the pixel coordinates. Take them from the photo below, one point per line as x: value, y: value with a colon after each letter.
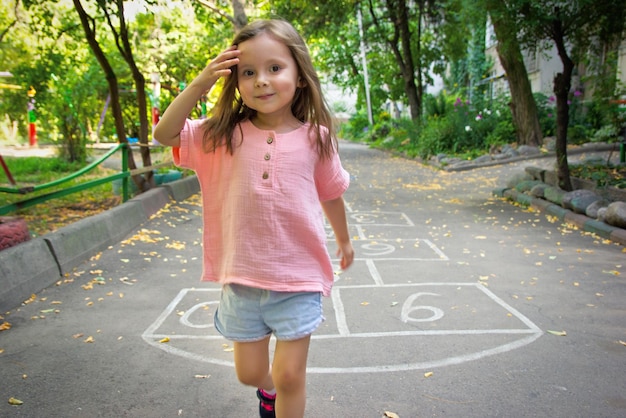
x: 454, y: 124
x: 465, y: 127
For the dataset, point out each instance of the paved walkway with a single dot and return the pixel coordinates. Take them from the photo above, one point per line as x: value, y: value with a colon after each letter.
x: 450, y: 310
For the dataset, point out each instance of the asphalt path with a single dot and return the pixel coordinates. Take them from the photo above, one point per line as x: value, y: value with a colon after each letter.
x: 459, y: 304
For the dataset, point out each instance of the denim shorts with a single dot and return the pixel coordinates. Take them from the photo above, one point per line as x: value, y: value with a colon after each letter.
x: 247, y: 314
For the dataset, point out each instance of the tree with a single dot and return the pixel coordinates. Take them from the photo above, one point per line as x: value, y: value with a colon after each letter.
x: 116, y: 8
x: 522, y: 104
x: 89, y: 27
x: 572, y: 26
x: 43, y: 47
x: 400, y: 43
x: 239, y: 19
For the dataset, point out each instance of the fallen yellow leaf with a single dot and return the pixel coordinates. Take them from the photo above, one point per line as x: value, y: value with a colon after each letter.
x: 5, y: 326
x: 391, y: 415
x: 13, y: 401
x: 89, y: 339
x: 165, y: 340
x: 428, y: 374
x: 558, y: 333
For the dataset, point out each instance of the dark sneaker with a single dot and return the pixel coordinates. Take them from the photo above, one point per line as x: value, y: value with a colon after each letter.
x: 266, y: 404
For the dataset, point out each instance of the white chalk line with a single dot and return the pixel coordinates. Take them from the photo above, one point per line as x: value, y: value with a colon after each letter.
x: 533, y: 334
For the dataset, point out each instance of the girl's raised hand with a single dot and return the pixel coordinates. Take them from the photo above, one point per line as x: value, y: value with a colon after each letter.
x: 220, y: 66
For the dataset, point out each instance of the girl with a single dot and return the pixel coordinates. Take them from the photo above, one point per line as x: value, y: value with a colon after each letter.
x: 268, y: 166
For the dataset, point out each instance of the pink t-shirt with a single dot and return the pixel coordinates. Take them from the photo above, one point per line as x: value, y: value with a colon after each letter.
x: 263, y: 222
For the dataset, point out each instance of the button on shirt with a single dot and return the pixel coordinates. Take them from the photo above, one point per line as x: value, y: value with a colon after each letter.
x: 263, y: 222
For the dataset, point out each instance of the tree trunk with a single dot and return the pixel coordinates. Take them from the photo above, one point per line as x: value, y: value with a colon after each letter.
x: 523, y: 105
x: 142, y: 103
x: 402, y: 34
x: 408, y: 73
x: 239, y: 13
x: 562, y: 86
x: 88, y: 24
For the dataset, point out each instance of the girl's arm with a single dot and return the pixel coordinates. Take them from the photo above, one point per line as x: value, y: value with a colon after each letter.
x: 336, y: 213
x: 167, y: 131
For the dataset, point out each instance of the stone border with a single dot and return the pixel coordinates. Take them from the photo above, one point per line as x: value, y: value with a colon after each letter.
x: 583, y: 222
x: 32, y: 266
x: 483, y: 161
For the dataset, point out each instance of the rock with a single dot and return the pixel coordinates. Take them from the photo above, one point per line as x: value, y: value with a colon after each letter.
x: 539, y: 190
x: 601, y: 214
x: 483, y: 159
x: 518, y: 178
x: 616, y: 214
x: 550, y: 143
x: 450, y: 161
x: 537, y: 173
x: 510, y: 153
x: 526, y: 185
x: 593, y: 209
x: 580, y: 204
x: 528, y: 150
x: 500, y: 157
x: 576, y: 194
x: 554, y: 195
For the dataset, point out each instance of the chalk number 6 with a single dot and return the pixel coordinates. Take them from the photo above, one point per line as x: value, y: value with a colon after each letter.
x: 408, y: 308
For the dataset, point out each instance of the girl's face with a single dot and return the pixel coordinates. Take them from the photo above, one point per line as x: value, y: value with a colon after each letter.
x: 267, y: 77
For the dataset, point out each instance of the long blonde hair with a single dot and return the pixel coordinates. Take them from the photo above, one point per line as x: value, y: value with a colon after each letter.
x: 308, y: 103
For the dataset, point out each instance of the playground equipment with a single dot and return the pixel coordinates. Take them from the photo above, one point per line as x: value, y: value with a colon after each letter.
x: 32, y: 117
x: 124, y: 175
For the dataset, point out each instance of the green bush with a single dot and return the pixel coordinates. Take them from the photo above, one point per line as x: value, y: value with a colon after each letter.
x: 357, y: 128
x: 453, y: 125
x: 546, y: 107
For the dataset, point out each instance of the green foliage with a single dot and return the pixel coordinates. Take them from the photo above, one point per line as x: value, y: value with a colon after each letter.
x: 357, y: 128
x: 607, y: 133
x: 37, y: 170
x: 452, y: 125
x: 546, y: 107
x: 399, y: 135
x: 602, y: 174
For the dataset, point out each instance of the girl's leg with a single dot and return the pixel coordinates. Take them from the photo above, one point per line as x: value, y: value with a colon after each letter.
x: 252, y: 364
x: 289, y: 376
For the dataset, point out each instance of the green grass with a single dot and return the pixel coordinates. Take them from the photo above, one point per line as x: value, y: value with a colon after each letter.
x: 50, y: 215
x: 53, y: 214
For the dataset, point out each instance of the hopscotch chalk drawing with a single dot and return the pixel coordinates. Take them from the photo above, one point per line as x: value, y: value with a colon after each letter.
x: 371, y: 325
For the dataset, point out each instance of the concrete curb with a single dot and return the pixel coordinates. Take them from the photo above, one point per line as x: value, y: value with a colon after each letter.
x: 583, y: 222
x: 470, y: 165
x: 36, y: 264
